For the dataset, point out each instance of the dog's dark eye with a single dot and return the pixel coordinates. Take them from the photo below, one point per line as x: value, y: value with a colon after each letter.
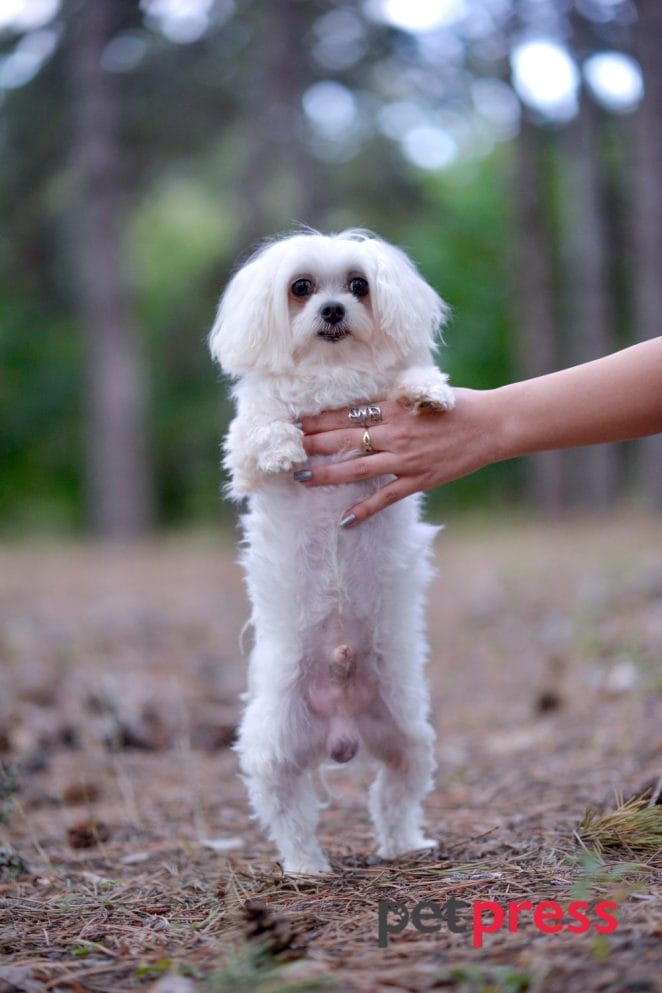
x: 301, y: 288
x: 359, y: 286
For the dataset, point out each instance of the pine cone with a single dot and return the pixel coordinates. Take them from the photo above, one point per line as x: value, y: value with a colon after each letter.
x: 274, y: 932
x: 87, y: 834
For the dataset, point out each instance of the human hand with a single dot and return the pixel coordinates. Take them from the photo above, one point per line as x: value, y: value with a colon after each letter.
x: 421, y: 450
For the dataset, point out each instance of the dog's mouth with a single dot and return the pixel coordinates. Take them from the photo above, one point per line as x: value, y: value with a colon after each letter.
x: 334, y: 333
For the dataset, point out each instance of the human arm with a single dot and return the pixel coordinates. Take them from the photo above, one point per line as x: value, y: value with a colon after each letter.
x: 614, y: 398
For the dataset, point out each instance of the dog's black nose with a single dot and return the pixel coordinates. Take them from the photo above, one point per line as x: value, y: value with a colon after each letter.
x: 332, y: 312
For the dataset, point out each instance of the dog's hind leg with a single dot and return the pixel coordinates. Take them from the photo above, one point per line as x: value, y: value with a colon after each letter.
x: 286, y: 804
x: 276, y: 762
x: 396, y: 796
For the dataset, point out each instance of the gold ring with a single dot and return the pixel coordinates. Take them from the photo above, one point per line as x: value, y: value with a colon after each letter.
x: 367, y: 443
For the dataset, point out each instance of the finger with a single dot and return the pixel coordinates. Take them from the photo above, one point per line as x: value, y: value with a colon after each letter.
x: 345, y: 440
x: 350, y: 471
x: 383, y: 498
x: 332, y: 420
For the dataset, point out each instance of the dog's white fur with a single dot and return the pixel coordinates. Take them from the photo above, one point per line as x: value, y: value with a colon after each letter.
x: 337, y: 665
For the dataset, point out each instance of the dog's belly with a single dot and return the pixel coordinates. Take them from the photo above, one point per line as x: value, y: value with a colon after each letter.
x: 340, y: 682
x: 352, y: 712
x: 330, y: 610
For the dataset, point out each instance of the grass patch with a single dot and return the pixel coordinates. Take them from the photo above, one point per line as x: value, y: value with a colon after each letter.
x: 634, y: 825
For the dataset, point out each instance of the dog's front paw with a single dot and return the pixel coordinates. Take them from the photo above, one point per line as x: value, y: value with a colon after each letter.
x: 426, y: 397
x: 279, y: 447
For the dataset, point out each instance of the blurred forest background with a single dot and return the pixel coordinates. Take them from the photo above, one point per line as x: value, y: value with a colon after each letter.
x: 513, y: 147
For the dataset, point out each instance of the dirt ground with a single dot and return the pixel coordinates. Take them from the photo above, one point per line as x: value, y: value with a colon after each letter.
x: 128, y: 860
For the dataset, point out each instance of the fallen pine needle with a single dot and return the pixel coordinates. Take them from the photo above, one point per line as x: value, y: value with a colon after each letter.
x: 635, y: 824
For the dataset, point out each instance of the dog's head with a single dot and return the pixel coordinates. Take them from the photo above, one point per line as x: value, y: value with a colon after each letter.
x: 311, y: 300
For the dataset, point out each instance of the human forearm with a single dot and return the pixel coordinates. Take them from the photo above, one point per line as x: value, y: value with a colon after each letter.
x: 611, y: 399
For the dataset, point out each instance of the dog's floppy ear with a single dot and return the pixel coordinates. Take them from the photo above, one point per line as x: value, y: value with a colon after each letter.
x: 251, y: 329
x: 409, y: 311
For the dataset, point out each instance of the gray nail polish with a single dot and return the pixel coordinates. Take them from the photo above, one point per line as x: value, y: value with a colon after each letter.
x: 302, y: 475
x: 348, y: 521
x: 299, y: 425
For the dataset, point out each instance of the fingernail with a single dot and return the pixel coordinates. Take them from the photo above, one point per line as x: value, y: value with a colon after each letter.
x: 299, y: 425
x: 348, y: 521
x: 302, y: 475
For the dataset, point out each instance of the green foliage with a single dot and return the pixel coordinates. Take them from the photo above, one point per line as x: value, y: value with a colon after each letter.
x: 462, y: 241
x: 254, y: 970
x: 481, y: 979
x: 617, y: 881
x: 41, y: 415
x: 181, y: 245
x: 213, y: 151
x: 153, y: 970
x: 181, y: 241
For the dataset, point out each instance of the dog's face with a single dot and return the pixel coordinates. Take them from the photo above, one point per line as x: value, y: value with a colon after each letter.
x: 312, y: 300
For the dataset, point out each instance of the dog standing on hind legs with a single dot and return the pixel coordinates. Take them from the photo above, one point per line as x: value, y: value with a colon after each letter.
x: 314, y: 322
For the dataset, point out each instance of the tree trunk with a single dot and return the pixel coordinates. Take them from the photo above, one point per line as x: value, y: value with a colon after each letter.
x: 118, y: 475
x: 284, y: 186
x: 534, y: 284
x: 591, y: 473
x: 647, y: 215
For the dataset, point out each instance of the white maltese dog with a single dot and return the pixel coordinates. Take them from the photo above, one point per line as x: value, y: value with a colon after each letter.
x: 308, y: 324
